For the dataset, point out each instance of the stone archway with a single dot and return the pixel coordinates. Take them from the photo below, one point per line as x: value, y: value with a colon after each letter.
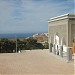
x: 56, y: 42
x: 56, y: 38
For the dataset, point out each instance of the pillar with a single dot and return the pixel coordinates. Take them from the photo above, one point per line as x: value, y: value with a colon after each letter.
x: 61, y: 51
x: 51, y: 45
x: 54, y: 51
x: 69, y: 54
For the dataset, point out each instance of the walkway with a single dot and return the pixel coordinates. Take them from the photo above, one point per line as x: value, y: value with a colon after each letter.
x: 34, y: 62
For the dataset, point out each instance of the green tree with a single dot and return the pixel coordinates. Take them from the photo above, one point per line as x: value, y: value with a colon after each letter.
x: 7, y: 45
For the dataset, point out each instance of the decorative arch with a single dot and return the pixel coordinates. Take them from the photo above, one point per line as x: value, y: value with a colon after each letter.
x: 56, y: 38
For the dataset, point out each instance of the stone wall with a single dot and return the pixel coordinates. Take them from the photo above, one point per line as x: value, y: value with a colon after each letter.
x: 59, y: 27
x: 63, y: 26
x: 72, y: 24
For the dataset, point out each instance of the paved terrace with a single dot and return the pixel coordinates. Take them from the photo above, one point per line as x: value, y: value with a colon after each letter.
x: 39, y: 62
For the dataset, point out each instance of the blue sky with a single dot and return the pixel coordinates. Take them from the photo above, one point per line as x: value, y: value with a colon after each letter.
x: 26, y: 16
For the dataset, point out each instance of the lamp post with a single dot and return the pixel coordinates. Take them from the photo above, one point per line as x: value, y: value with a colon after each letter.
x: 16, y: 43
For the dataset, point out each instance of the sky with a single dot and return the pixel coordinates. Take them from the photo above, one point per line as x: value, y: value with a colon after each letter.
x: 31, y: 16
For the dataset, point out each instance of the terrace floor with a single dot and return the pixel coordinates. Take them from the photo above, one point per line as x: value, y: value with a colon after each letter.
x: 40, y: 62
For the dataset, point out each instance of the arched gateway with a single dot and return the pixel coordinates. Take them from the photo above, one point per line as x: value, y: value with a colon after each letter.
x: 61, y: 29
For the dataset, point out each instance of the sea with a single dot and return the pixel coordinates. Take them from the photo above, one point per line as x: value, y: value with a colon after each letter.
x: 16, y: 35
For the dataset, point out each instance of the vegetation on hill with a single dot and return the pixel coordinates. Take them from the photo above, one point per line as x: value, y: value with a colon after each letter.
x: 8, y: 46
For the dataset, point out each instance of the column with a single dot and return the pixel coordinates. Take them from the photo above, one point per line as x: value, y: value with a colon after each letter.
x: 54, y: 51
x: 69, y: 54
x: 51, y: 45
x: 61, y: 51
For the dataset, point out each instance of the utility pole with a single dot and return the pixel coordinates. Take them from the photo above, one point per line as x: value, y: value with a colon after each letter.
x: 16, y: 44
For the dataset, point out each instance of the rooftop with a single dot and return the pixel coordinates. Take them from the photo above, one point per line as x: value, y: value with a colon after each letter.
x: 65, y: 16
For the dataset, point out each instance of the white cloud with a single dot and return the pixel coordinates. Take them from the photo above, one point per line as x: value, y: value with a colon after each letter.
x: 29, y: 15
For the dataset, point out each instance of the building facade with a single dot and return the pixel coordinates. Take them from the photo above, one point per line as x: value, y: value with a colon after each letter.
x: 61, y: 29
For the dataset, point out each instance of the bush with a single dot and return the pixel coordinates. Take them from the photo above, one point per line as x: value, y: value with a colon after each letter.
x: 7, y: 46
